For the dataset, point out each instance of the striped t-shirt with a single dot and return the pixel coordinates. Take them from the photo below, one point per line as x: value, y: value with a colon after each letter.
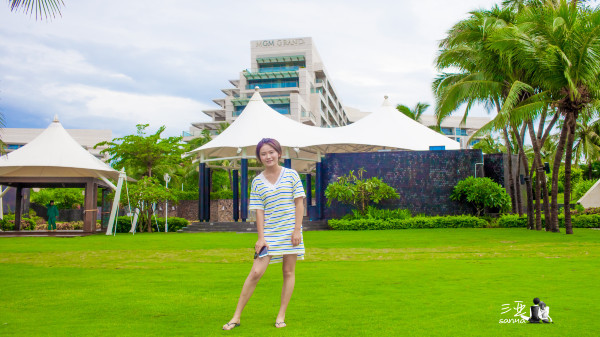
x: 277, y: 201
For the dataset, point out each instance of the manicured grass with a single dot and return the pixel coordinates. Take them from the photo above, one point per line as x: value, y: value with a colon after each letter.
x: 422, y: 282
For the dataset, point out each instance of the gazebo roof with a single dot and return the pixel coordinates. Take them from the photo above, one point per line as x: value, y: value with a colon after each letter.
x: 54, y: 154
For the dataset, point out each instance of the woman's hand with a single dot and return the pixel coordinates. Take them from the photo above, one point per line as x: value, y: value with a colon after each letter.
x: 259, y: 244
x: 296, y: 237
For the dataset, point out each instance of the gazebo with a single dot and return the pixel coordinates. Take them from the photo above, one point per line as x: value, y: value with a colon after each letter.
x: 55, y: 160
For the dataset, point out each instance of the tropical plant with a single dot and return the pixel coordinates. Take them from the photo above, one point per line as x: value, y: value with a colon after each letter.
x: 143, y: 194
x: 359, y: 192
x: 64, y: 198
x: 414, y: 113
x: 483, y: 194
x: 142, y: 154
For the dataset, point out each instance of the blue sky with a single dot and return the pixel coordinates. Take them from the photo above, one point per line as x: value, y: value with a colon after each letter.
x: 112, y: 64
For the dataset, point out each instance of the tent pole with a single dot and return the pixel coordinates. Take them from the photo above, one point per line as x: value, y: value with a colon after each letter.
x: 318, y: 190
x: 308, y: 191
x: 236, y: 195
x: 207, y: 188
x: 244, y: 188
x: 201, y: 191
x: 18, y: 207
x: 116, y: 200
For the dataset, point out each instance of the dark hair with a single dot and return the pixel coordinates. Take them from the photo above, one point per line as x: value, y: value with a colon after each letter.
x: 536, y: 301
x: 51, y: 201
x: 267, y: 141
x: 542, y: 305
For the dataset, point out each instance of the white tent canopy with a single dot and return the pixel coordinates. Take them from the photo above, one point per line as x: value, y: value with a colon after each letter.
x: 388, y: 128
x: 54, y: 153
x: 384, y: 129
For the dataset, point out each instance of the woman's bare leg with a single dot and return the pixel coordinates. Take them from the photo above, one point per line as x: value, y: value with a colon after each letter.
x: 257, y: 271
x: 289, y: 279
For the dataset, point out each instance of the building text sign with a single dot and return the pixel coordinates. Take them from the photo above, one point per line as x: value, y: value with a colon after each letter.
x: 279, y: 43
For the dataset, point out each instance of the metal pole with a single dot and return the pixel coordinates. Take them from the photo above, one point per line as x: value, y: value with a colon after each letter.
x: 236, y: 195
x: 167, y: 179
x: 244, y: 188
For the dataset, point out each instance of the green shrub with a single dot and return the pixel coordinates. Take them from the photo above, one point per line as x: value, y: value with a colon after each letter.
x: 578, y: 221
x: 383, y: 214
x: 223, y: 194
x: 124, y: 224
x: 358, y: 191
x: 8, y: 223
x: 512, y: 221
x: 459, y: 221
x: 483, y: 194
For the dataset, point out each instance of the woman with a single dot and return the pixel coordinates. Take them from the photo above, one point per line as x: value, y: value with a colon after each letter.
x: 277, y: 196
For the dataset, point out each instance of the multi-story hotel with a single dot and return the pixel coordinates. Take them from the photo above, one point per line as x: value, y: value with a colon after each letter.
x: 451, y: 126
x: 292, y: 80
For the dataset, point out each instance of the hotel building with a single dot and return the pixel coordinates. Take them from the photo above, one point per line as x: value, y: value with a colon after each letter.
x: 292, y: 80
x: 451, y: 127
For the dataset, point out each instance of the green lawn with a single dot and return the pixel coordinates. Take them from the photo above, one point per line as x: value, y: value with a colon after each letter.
x: 429, y: 282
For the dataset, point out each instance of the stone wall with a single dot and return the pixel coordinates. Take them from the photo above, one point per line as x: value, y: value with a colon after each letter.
x: 423, y: 179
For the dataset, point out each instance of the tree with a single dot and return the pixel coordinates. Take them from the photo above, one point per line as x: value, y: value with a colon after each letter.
x: 358, y: 191
x: 42, y: 8
x: 143, y: 194
x: 558, y: 45
x: 144, y: 155
x: 587, y: 140
x: 414, y: 113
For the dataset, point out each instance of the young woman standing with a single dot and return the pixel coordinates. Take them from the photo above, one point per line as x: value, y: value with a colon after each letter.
x: 277, y: 196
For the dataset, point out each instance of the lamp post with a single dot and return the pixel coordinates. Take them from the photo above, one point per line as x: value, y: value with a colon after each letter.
x: 167, y: 178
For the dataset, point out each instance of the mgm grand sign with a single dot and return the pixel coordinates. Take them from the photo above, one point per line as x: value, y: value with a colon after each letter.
x: 279, y: 43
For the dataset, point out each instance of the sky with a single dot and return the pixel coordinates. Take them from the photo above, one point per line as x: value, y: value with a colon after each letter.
x: 111, y: 64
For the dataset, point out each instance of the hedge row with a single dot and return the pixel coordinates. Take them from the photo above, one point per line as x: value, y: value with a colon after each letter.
x: 578, y: 221
x: 124, y: 224
x: 460, y: 221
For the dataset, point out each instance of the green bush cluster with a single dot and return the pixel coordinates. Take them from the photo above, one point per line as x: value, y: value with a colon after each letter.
x: 375, y: 213
x: 8, y: 223
x: 578, y: 221
x: 124, y: 224
x: 484, y: 194
x: 459, y: 221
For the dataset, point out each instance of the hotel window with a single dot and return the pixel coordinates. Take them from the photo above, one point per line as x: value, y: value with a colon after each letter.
x: 461, y: 132
x: 447, y: 131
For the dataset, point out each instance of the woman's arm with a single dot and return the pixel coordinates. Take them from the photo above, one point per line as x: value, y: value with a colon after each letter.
x: 299, y: 215
x: 260, y: 229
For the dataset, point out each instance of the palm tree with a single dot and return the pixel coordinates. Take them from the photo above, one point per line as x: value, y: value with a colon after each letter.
x: 42, y: 8
x: 559, y: 47
x: 414, y: 113
x: 481, y: 75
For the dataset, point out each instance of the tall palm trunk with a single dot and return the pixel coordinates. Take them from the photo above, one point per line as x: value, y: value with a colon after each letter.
x: 511, y: 181
x: 543, y: 179
x: 537, y: 167
x: 572, y: 123
x: 517, y: 186
x: 560, y: 147
x: 523, y: 160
